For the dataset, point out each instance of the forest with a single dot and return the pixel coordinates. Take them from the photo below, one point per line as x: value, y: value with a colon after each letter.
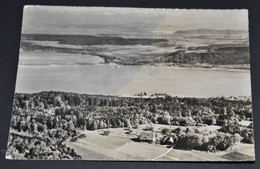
x: 41, y: 122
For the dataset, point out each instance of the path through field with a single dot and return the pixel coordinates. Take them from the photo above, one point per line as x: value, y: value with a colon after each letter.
x: 98, y: 147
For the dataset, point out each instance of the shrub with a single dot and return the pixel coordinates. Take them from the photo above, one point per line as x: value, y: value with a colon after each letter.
x: 190, y: 141
x: 222, y: 141
x: 106, y: 133
x: 148, y: 128
x: 205, y: 143
x: 248, y: 137
x: 245, y: 132
x: 210, y: 120
x: 166, y: 131
x: 187, y: 122
x: 130, y: 131
x: 231, y: 128
x: 82, y: 136
x: 73, y: 139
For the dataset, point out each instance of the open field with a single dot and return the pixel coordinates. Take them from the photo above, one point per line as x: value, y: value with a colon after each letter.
x: 119, y: 145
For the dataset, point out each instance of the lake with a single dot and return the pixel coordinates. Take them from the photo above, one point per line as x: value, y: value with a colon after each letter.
x: 39, y: 71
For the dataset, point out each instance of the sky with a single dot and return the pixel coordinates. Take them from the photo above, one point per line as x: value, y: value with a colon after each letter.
x: 127, y: 21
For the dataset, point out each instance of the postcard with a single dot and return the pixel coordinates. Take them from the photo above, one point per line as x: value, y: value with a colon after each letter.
x: 137, y: 84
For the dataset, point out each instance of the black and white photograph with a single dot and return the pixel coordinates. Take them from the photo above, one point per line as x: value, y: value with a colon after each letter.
x: 135, y: 84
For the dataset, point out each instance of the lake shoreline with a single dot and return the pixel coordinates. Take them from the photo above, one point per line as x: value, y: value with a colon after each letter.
x: 199, y: 67
x: 140, y: 95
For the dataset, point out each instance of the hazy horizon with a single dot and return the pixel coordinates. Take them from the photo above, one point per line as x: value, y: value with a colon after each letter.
x: 127, y: 21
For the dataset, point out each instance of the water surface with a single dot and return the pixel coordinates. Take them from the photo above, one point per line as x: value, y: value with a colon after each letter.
x: 37, y: 72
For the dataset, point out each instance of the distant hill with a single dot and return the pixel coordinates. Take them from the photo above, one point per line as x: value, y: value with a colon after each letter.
x: 90, y: 40
x: 209, y: 31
